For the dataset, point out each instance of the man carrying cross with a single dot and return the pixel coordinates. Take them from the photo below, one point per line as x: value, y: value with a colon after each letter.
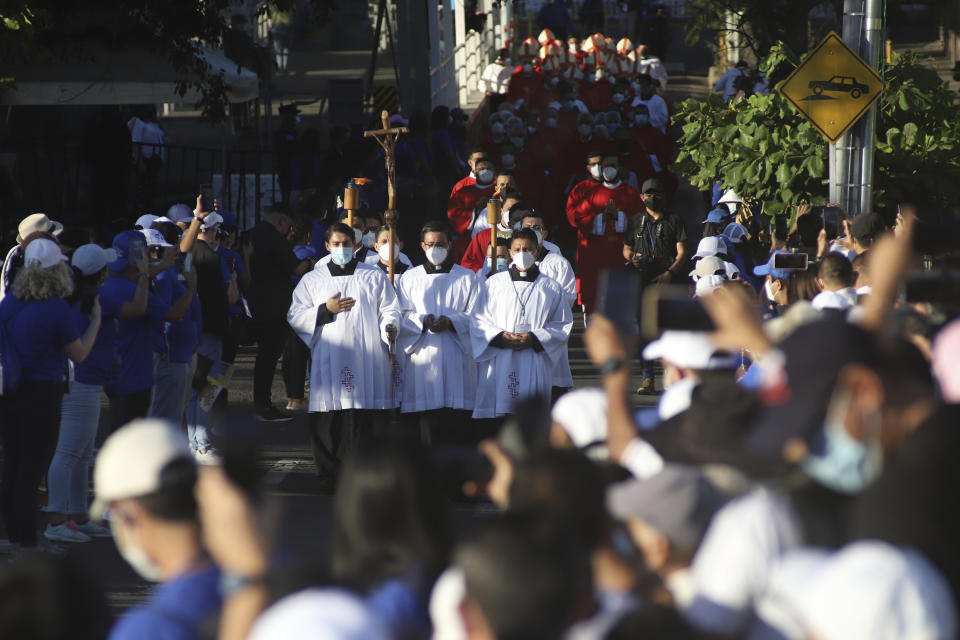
x: 346, y: 312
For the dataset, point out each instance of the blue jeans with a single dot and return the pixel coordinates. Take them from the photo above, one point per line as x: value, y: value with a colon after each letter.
x: 170, y: 390
x: 69, y: 470
x: 198, y: 420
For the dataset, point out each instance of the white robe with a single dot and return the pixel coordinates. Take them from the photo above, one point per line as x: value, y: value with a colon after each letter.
x: 558, y: 268
x: 504, y: 375
x: 439, y: 370
x: 350, y: 366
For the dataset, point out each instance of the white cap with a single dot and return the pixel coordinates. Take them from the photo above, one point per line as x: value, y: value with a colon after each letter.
x: 210, y: 221
x: 43, y: 252
x: 733, y: 271
x: 867, y: 590
x: 676, y: 398
x: 729, y: 196
x: 145, y: 221
x: 180, y: 213
x: 162, y: 219
x: 583, y: 415
x: 735, y: 232
x: 317, y: 614
x: 131, y: 461
x: 710, y: 246
x: 155, y: 238
x: 709, y: 266
x: 840, y: 300
x: 92, y: 258
x: 685, y: 349
x: 708, y: 284
x: 448, y: 593
x: 37, y: 222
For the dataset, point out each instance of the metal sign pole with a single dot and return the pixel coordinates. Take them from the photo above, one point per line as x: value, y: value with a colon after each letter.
x: 872, y: 42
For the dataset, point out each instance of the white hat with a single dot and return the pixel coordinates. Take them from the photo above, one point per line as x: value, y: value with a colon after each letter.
x: 92, y: 258
x: 840, y: 300
x: 735, y: 232
x: 131, y: 461
x: 145, y: 221
x: 37, y: 222
x: 685, y: 349
x: 43, y: 252
x: 317, y: 614
x: 210, y: 221
x: 733, y: 271
x: 155, y: 238
x: 710, y: 246
x: 729, y: 196
x: 709, y: 266
x: 583, y: 415
x: 866, y: 590
x: 708, y: 284
x: 162, y: 219
x: 448, y: 593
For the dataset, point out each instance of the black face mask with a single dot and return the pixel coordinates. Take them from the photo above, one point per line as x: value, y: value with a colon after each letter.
x: 654, y: 203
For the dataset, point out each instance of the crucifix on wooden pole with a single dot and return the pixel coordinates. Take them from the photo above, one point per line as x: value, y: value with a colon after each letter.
x: 387, y: 138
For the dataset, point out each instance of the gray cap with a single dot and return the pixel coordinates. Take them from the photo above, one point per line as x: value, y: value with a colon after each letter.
x: 678, y: 502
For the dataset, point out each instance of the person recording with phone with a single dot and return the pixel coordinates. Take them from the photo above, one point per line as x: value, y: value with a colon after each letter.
x: 655, y: 242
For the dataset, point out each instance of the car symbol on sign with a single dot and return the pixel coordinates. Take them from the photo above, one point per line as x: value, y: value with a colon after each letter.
x: 842, y: 84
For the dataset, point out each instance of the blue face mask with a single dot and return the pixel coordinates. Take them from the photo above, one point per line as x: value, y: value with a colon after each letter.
x: 642, y: 118
x: 502, y: 264
x: 846, y: 464
x: 341, y: 255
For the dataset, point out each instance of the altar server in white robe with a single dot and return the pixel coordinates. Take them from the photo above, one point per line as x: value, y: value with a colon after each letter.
x: 519, y: 330
x: 440, y: 377
x: 347, y: 313
x: 552, y: 264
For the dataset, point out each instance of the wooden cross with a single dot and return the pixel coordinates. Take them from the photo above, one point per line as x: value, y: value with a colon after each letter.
x: 387, y: 138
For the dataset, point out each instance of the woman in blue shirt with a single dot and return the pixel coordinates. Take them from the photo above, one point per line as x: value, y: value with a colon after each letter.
x: 44, y: 330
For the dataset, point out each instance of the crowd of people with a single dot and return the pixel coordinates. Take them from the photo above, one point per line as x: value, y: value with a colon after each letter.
x: 792, y: 479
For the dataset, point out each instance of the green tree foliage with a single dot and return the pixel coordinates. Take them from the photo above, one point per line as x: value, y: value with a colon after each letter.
x: 767, y: 151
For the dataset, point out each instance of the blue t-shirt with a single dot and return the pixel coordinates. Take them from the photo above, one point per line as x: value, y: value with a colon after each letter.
x: 318, y: 239
x: 41, y: 330
x: 102, y: 365
x: 178, y: 610
x: 134, y: 335
x: 229, y: 258
x: 175, y: 339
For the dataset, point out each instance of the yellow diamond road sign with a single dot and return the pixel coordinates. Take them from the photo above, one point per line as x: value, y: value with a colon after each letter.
x: 832, y: 87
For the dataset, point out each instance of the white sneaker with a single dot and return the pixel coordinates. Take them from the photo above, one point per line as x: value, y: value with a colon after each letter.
x: 94, y: 530
x: 65, y: 532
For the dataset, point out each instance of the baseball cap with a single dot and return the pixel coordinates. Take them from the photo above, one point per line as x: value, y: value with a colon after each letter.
x: 145, y: 221
x: 838, y: 300
x: 155, y: 238
x: 717, y: 215
x: 767, y: 269
x: 678, y: 502
x: 132, y: 460
x: 735, y: 232
x: 321, y: 613
x: 180, y: 213
x: 37, y: 222
x: 707, y: 285
x: 229, y: 218
x: 92, y: 258
x: 43, y: 253
x: 210, y: 221
x: 733, y: 271
x: 867, y: 226
x: 729, y: 196
x: 711, y: 246
x: 583, y: 415
x: 122, y: 243
x: 709, y: 266
x: 687, y: 350
x: 652, y: 185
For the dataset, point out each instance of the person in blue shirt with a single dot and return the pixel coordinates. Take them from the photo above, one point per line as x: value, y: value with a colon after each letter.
x: 42, y: 327
x: 131, y: 391
x: 146, y: 476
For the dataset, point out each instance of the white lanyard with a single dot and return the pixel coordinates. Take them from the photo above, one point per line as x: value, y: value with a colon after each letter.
x: 523, y: 301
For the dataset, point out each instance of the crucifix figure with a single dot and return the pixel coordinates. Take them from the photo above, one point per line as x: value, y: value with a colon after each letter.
x: 387, y: 138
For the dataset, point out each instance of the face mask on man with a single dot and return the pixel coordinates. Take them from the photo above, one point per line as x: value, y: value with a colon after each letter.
x: 507, y: 62
x: 132, y: 553
x: 384, y: 251
x: 554, y: 81
x: 568, y: 104
x: 551, y: 122
x: 531, y: 129
x: 523, y: 260
x: 654, y: 203
x: 642, y: 119
x: 846, y: 464
x: 485, y: 176
x: 508, y: 159
x: 595, y: 171
x: 617, y: 98
x: 610, y: 174
x: 436, y: 255
x: 369, y: 239
x: 357, y: 237
x: 502, y: 264
x: 584, y: 129
x: 517, y: 141
x: 527, y: 69
x: 768, y: 290
x: 341, y: 255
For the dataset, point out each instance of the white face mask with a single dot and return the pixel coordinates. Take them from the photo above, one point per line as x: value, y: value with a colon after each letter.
x: 617, y: 98
x: 731, y: 207
x: 341, y: 255
x: 517, y: 142
x: 508, y: 160
x: 532, y: 129
x: 369, y: 239
x: 384, y: 252
x: 554, y: 81
x: 436, y: 255
x: 539, y: 237
x: 768, y: 290
x: 610, y: 174
x: 584, y: 129
x: 595, y: 171
x: 523, y: 260
x: 133, y: 554
x: 485, y: 176
x: 357, y: 237
x: 527, y: 69
x: 551, y: 122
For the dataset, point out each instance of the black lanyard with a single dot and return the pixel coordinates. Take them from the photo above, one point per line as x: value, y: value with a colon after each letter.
x: 644, y: 233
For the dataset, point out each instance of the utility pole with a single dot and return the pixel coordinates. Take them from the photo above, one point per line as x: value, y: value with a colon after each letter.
x: 852, y: 157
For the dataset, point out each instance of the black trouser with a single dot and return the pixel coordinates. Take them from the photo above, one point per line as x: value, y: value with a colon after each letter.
x: 295, y: 357
x: 30, y: 428
x: 334, y: 435
x: 125, y: 407
x: 272, y: 338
